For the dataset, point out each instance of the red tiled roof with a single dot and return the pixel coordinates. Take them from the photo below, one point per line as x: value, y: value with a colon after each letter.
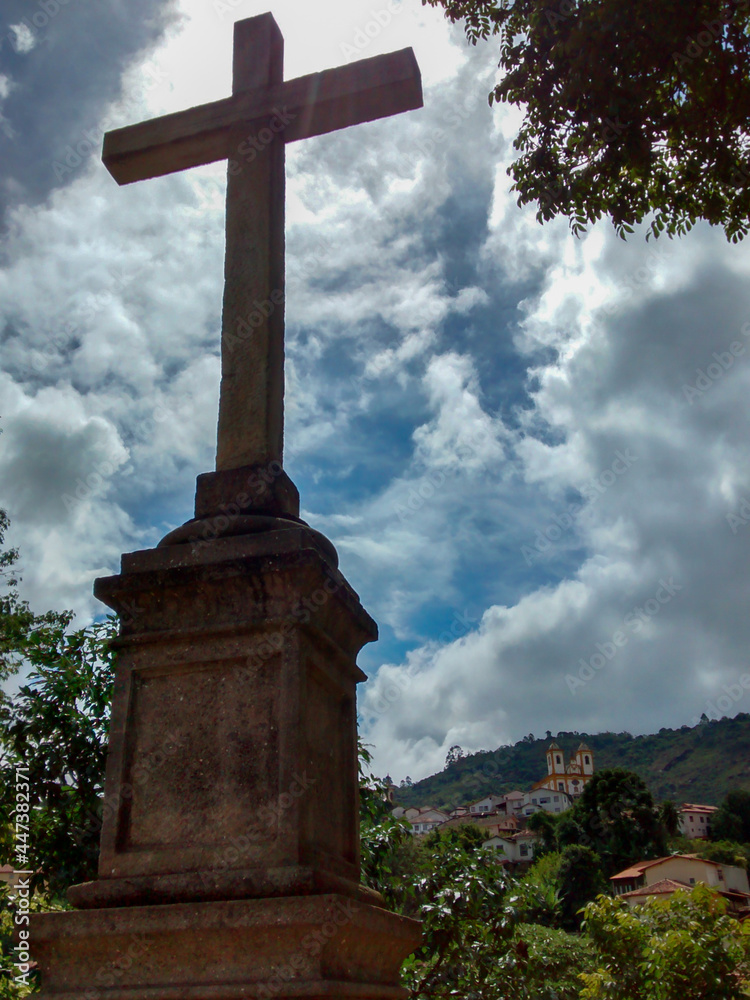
x: 638, y: 869
x: 692, y: 807
x: 659, y: 888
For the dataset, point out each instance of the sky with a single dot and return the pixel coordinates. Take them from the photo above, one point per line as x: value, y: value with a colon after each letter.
x: 530, y: 449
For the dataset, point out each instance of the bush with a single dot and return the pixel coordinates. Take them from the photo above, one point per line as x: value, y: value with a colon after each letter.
x: 681, y: 948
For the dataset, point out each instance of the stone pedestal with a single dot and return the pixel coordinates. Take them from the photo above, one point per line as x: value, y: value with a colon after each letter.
x: 229, y: 861
x: 297, y: 946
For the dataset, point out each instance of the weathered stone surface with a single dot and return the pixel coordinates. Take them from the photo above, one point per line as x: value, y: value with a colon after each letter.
x: 314, y: 946
x: 251, y: 400
x: 229, y: 863
x: 233, y: 736
x: 250, y: 489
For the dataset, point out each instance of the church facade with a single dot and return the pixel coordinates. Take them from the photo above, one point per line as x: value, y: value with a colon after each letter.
x: 570, y: 777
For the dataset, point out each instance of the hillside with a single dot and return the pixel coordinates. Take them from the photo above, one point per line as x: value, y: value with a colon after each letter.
x: 698, y: 764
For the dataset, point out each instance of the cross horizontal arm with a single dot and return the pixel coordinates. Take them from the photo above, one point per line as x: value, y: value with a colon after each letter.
x: 310, y: 105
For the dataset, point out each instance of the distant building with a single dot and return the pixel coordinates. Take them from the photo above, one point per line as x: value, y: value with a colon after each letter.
x: 513, y: 802
x: 422, y: 819
x: 569, y: 778
x: 664, y: 876
x: 489, y: 804
x: 545, y: 799
x: 495, y: 824
x: 517, y: 848
x: 390, y: 789
x: 694, y: 819
x: 9, y: 875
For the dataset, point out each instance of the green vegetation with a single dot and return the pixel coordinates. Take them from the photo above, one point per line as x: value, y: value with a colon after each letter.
x: 630, y: 109
x: 732, y: 821
x: 580, y: 880
x: 55, y: 728
x: 17, y: 981
x: 683, y: 948
x: 698, y: 764
x: 551, y: 933
x: 616, y: 816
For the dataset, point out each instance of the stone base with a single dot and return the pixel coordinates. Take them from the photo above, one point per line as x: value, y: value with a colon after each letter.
x: 232, y: 748
x: 229, y: 863
x: 250, y: 883
x: 309, y: 946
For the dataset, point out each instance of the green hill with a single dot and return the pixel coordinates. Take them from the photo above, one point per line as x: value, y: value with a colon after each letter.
x: 698, y: 764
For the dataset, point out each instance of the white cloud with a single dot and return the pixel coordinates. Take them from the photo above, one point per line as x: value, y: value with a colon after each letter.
x: 24, y: 39
x: 657, y: 519
x: 461, y: 433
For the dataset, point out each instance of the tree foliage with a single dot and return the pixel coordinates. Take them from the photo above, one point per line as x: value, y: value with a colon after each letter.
x: 726, y: 852
x: 631, y: 110
x: 580, y: 880
x: 389, y: 854
x: 669, y: 818
x: 56, y: 727
x: 466, y: 926
x: 476, y: 940
x: 681, y: 948
x: 544, y: 826
x: 618, y: 819
x: 15, y: 982
x: 538, y: 891
x: 732, y: 821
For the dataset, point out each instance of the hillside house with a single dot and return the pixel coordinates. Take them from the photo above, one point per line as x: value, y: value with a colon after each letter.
x: 517, y: 848
x: 544, y: 798
x: 513, y: 802
x: 664, y: 876
x: 695, y: 820
x: 459, y: 812
x: 489, y: 804
x: 495, y: 824
x: 423, y: 819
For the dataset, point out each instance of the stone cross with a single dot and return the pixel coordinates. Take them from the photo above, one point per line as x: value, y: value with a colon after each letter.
x: 250, y: 130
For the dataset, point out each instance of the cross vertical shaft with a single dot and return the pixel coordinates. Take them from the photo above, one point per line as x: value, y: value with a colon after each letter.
x: 251, y: 406
x: 250, y: 130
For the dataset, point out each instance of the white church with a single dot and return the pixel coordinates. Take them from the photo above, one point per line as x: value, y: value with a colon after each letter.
x: 571, y: 777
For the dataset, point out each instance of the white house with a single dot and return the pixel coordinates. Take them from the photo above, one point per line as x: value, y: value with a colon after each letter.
x: 694, y: 819
x: 546, y: 799
x: 516, y: 848
x: 424, y: 819
x: 513, y: 802
x: 489, y: 804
